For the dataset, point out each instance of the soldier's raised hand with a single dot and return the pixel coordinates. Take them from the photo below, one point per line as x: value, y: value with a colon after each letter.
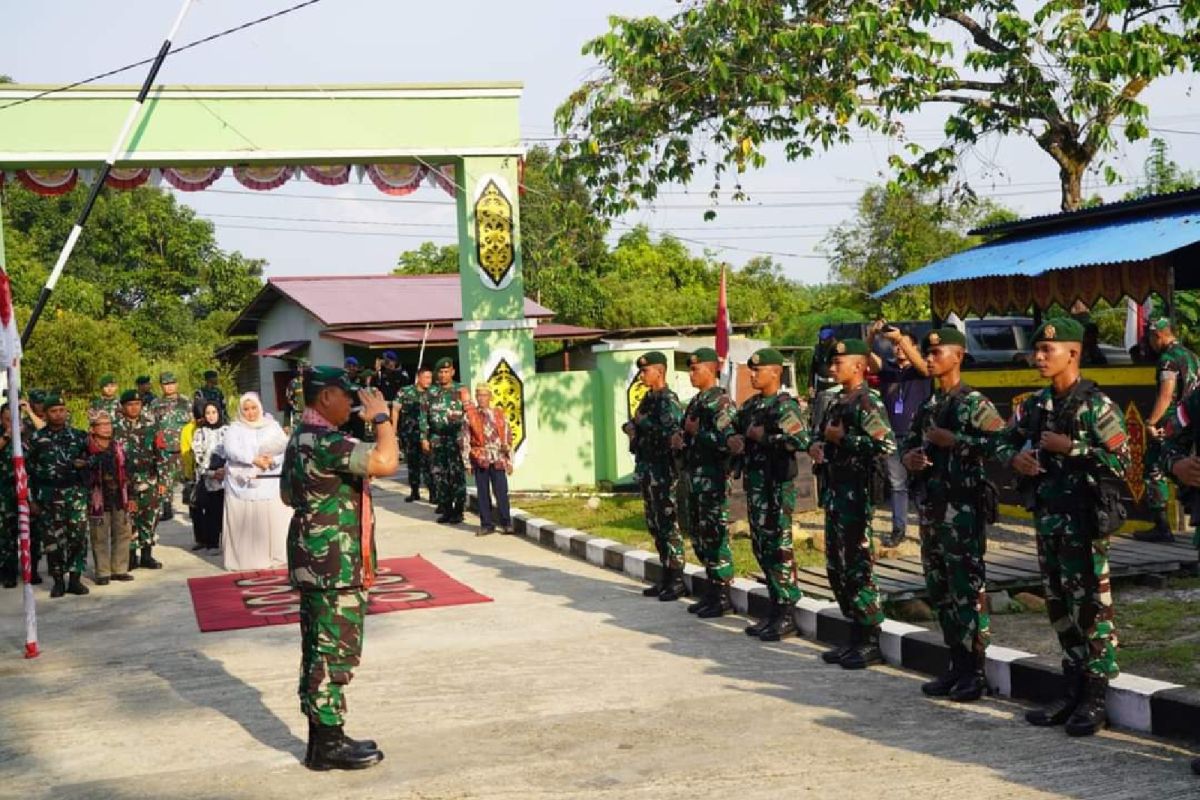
x: 737, y: 444
x: 834, y: 432
x: 1055, y: 442
x: 940, y: 437
x: 817, y: 453
x: 914, y: 460
x: 755, y: 433
x: 1026, y: 463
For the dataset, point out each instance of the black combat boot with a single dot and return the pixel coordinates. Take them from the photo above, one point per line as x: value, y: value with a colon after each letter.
x: 782, y: 626
x: 655, y: 589
x: 414, y: 494
x: 710, y: 595
x: 673, y: 586
x: 59, y: 588
x: 941, y: 685
x: 75, y: 585
x: 866, y: 653
x: 1091, y: 714
x: 167, y: 513
x: 34, y: 578
x: 328, y: 748
x: 972, y: 683
x: 720, y: 605
x: 9, y: 580
x: 361, y: 745
x: 1059, y: 711
x: 1161, y: 532
x: 133, y: 560
x: 757, y: 628
x: 1196, y: 766
x: 148, y: 561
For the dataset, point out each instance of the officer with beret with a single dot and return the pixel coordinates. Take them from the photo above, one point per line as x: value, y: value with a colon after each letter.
x: 1069, y: 445
x: 57, y: 460
x: 144, y: 446
x: 768, y: 434
x: 331, y: 553
x: 107, y: 401
x: 172, y: 412
x: 440, y: 425
x: 850, y: 443
x: 389, y: 375
x: 952, y: 434
x: 210, y: 392
x: 704, y: 440
x: 657, y: 419
x: 144, y: 391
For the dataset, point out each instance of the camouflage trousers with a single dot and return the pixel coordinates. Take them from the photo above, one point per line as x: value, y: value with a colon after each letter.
x: 447, y: 474
x: 952, y: 557
x: 417, y: 461
x: 1074, y: 566
x: 331, y: 641
x: 9, y: 546
x: 769, y: 507
x: 171, y: 473
x: 708, y: 522
x: 657, y: 482
x: 144, y: 519
x: 850, y: 553
x: 63, y: 520
x: 1155, y: 480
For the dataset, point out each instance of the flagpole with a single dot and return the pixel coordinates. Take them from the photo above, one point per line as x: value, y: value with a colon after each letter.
x: 86, y: 211
x: 29, y: 603
x: 421, y: 355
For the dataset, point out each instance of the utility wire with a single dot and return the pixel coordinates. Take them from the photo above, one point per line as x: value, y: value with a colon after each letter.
x: 174, y: 50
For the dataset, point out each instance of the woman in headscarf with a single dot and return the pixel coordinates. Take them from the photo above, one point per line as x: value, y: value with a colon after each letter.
x: 208, y: 497
x: 256, y: 520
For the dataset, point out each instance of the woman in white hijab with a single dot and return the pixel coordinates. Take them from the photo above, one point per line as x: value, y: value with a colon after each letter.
x: 256, y: 520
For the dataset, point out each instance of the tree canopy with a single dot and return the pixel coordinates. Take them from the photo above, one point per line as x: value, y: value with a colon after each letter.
x: 709, y: 87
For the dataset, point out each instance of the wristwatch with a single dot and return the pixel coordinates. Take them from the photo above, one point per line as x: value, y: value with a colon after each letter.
x: 381, y: 418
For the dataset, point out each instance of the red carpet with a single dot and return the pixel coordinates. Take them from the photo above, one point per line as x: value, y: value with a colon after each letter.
x: 251, y: 599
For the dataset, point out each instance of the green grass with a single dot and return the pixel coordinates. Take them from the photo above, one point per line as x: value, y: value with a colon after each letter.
x: 1160, y: 636
x: 620, y: 518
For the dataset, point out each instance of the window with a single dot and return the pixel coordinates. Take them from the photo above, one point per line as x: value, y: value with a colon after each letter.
x: 995, y: 337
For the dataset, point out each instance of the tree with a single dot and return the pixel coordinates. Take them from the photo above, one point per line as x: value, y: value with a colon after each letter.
x: 710, y: 86
x: 1161, y: 174
x: 428, y: 259
x: 897, y: 230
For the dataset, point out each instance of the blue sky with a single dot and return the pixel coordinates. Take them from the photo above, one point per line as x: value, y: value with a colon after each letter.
x: 534, y: 41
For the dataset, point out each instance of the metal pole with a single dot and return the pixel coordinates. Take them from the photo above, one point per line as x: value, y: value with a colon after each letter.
x: 421, y: 355
x: 84, y: 212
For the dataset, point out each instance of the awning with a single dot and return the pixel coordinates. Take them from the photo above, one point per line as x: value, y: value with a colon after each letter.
x: 441, y: 335
x: 1031, y: 255
x: 281, y: 349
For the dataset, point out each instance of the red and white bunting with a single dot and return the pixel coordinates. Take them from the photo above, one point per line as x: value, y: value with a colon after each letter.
x: 263, y: 179
x: 127, y: 177
x: 332, y: 175
x: 48, y: 182
x: 192, y: 179
x: 396, y: 179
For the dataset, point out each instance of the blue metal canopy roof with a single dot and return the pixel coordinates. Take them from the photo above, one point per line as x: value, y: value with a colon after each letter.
x: 1027, y: 255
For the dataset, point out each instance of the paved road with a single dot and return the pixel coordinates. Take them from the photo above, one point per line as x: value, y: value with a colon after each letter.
x: 569, y: 685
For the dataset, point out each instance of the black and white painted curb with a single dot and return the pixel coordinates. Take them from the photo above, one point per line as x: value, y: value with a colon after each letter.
x: 1134, y: 703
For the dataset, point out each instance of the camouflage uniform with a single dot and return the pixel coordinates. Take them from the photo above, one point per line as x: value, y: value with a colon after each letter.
x: 331, y: 557
x: 948, y: 493
x: 171, y: 414
x: 659, y: 416
x: 440, y: 424
x: 846, y: 498
x: 770, y: 492
x: 412, y: 400
x: 58, y: 488
x: 144, y: 464
x: 1179, y: 442
x: 390, y: 382
x: 295, y: 399
x: 110, y: 404
x: 708, y: 481
x: 1177, y: 362
x: 9, y: 547
x: 1072, y: 553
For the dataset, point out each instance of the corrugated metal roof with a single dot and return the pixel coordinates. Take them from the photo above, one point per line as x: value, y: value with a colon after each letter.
x: 367, y: 300
x: 1138, y: 206
x: 1113, y: 242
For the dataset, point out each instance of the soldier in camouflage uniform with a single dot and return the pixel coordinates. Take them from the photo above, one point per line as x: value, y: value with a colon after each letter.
x: 57, y: 459
x: 410, y: 402
x: 9, y: 560
x: 107, y: 401
x: 704, y: 441
x: 295, y: 397
x: 144, y: 392
x: 1178, y: 371
x: 1069, y: 441
x: 440, y: 425
x: 143, y: 444
x: 657, y: 418
x: 33, y: 418
x: 390, y: 376
x: 952, y: 434
x: 769, y: 433
x: 849, y: 440
x: 331, y: 554
x: 210, y: 392
x: 172, y: 412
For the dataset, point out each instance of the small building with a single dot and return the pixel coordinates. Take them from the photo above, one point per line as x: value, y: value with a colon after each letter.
x: 326, y: 319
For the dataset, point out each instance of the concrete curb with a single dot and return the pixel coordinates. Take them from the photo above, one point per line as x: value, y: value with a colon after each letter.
x: 1134, y: 703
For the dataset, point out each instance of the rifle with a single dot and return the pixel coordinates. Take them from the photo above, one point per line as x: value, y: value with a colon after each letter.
x: 943, y: 418
x: 820, y: 409
x: 875, y: 470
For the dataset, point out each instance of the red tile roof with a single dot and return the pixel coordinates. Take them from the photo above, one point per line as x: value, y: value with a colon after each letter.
x: 367, y: 300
